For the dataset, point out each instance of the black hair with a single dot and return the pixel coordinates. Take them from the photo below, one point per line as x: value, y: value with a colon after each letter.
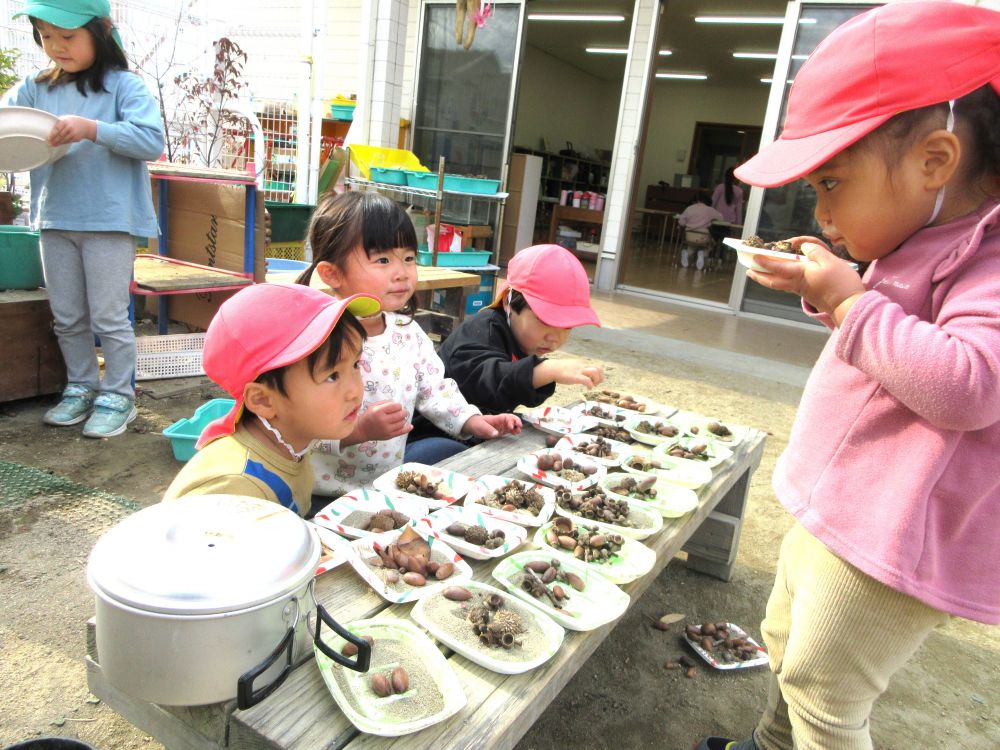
x: 976, y: 113
x: 517, y: 301
x: 108, y: 56
x: 359, y: 217
x: 327, y: 354
x: 728, y: 182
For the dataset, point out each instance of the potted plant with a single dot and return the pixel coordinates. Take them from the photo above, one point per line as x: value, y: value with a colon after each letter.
x: 10, y: 202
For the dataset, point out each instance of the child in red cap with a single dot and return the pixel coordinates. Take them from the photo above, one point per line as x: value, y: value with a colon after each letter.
x: 892, y: 464
x: 289, y: 356
x: 499, y: 356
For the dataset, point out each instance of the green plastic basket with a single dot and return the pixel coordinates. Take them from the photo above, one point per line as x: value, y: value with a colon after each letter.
x: 289, y: 221
x: 464, y: 258
x: 20, y: 258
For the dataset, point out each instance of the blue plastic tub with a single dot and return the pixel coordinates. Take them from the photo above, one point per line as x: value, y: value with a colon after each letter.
x: 342, y: 112
x: 464, y: 258
x: 184, y: 433
x: 453, y: 182
x: 388, y: 176
x: 285, y: 264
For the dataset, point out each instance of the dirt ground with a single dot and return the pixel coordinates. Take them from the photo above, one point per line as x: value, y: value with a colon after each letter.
x: 946, y: 697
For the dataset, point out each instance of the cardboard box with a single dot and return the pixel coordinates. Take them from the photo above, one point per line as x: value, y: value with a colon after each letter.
x: 474, y: 235
x: 206, y: 226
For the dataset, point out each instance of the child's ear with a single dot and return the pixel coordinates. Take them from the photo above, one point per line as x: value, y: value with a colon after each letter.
x: 259, y: 399
x: 940, y: 153
x: 330, y: 274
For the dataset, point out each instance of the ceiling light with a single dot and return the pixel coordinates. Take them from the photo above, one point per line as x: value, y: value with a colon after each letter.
x: 756, y: 55
x: 665, y: 52
x: 607, y: 50
x: 592, y: 18
x: 766, y: 20
x: 684, y: 76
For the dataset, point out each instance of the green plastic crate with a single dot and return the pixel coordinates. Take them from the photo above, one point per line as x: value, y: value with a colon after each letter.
x: 20, y: 258
x: 289, y: 221
x: 184, y: 433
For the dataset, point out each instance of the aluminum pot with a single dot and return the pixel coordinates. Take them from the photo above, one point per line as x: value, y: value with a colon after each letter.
x: 201, y: 598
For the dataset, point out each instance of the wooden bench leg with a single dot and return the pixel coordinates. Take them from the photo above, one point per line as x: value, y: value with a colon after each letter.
x: 712, y: 548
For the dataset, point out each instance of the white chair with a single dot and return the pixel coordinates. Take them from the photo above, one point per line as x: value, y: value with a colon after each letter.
x: 699, y: 241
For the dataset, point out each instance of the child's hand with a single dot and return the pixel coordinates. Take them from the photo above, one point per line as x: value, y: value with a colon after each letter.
x: 489, y: 426
x: 384, y: 420
x: 825, y: 281
x: 70, y: 129
x: 567, y: 372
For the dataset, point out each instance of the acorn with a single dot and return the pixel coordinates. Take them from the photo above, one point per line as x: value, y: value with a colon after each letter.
x: 537, y: 566
x: 381, y: 686
x: 575, y: 581
x: 444, y: 571
x: 400, y: 680
x: 457, y: 594
x: 414, y: 579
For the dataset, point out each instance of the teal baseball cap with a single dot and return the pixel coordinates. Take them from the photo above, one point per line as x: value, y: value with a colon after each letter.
x: 66, y: 14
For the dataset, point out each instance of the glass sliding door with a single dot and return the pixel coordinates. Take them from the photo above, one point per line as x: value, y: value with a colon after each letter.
x: 787, y: 211
x: 465, y: 96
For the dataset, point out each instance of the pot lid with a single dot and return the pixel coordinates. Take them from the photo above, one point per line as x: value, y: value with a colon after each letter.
x: 204, y: 554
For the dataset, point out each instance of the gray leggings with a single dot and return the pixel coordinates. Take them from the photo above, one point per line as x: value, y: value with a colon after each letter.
x: 87, y: 275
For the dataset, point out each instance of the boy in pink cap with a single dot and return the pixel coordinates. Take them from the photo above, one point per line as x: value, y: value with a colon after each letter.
x: 499, y: 356
x: 892, y: 464
x: 288, y: 354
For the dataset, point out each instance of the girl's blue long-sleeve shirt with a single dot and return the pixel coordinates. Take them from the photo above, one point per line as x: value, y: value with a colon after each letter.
x: 102, y: 185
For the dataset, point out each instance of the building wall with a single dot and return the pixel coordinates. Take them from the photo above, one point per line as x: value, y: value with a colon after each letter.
x: 677, y: 106
x: 586, y: 110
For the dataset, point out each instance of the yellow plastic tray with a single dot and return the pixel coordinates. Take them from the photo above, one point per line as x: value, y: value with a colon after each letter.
x: 365, y: 157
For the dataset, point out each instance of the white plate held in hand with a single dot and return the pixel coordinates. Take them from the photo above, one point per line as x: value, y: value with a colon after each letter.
x: 24, y: 139
x: 745, y: 253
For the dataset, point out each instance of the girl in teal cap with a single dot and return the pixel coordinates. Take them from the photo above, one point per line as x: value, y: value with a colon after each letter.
x: 91, y: 203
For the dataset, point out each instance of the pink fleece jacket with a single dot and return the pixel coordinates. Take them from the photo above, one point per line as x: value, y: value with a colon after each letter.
x: 894, y: 458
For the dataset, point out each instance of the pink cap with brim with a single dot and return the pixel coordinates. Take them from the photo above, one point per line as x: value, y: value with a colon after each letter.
x: 264, y: 327
x: 894, y: 58
x: 555, y: 285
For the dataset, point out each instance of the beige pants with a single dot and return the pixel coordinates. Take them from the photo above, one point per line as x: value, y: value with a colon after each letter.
x: 835, y: 636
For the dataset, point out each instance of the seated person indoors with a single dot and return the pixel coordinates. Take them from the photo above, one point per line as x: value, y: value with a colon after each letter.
x: 696, y: 219
x: 499, y: 357
x: 289, y: 356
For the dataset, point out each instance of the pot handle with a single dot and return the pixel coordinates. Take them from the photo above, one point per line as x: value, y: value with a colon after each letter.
x: 360, y: 664
x: 246, y: 696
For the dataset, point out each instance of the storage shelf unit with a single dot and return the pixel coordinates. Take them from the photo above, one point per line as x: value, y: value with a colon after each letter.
x: 564, y: 173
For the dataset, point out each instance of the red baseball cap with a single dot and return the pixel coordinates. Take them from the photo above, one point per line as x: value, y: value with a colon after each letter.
x: 554, y: 283
x: 264, y: 327
x: 894, y: 58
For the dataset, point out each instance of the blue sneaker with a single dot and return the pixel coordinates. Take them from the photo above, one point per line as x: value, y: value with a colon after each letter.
x: 112, y: 414
x: 75, y: 406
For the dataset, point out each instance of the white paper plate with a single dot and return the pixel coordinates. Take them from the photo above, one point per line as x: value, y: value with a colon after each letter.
x: 647, y: 519
x: 650, y: 406
x: 468, y: 647
x: 528, y: 465
x: 362, y: 707
x: 367, y: 501
x: 689, y: 422
x: 558, y: 420
x: 486, y: 484
x: 24, y: 139
x: 646, y: 437
x: 336, y: 549
x: 439, y: 520
x: 634, y: 559
x: 613, y: 415
x: 574, y: 440
x: 364, y: 549
x: 716, y: 452
x: 672, y: 501
x: 745, y: 253
x: 599, y: 603
x: 690, y: 474
x: 453, y: 485
x: 735, y: 632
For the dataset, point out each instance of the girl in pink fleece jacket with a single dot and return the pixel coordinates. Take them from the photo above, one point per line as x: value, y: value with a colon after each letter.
x: 893, y: 467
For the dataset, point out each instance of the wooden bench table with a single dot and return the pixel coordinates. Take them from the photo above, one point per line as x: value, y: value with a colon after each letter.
x: 301, y: 714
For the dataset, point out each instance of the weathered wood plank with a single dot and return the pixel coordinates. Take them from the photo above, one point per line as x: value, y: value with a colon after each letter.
x: 714, y: 538
x: 178, y: 728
